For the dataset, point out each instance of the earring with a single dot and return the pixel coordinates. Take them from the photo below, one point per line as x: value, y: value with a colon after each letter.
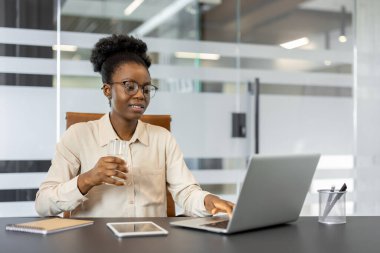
x: 109, y: 100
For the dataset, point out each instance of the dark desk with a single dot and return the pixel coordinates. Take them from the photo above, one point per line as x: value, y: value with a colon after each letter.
x: 360, y: 234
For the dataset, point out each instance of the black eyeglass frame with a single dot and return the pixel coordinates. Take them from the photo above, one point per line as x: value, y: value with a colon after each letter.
x: 151, y: 91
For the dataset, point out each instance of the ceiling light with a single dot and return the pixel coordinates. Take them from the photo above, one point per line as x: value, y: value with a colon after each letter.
x: 132, y: 7
x: 67, y: 48
x: 327, y: 62
x: 295, y: 43
x: 202, y: 56
x: 342, y: 39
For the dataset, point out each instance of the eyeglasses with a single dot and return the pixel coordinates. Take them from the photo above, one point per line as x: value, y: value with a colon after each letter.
x: 131, y: 88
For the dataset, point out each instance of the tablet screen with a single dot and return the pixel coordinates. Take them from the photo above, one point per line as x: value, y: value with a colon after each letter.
x: 135, y: 227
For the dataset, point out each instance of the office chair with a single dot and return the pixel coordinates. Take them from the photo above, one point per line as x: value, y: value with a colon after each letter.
x: 159, y: 120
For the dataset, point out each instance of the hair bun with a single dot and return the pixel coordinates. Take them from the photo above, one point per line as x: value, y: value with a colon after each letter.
x: 115, y: 44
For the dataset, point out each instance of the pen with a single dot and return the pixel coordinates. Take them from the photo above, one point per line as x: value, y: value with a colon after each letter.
x: 337, y: 197
x: 328, y: 203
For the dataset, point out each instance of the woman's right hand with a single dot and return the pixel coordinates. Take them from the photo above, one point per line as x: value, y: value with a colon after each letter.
x: 104, y: 172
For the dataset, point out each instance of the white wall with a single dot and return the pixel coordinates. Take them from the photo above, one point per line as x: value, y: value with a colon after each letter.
x: 367, y: 104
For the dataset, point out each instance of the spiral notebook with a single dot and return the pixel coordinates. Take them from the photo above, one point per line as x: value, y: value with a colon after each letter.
x: 48, y: 226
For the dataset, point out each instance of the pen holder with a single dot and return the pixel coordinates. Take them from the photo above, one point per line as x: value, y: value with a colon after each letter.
x: 332, y: 207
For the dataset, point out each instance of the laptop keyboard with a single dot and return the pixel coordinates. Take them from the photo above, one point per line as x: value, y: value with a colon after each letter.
x: 218, y: 224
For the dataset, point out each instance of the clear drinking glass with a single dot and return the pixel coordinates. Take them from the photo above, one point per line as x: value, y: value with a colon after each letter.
x: 117, y: 148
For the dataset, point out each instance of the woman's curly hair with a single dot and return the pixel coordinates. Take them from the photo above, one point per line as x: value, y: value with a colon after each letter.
x: 110, y: 52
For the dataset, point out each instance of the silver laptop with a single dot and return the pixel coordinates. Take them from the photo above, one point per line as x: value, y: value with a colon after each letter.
x: 273, y: 192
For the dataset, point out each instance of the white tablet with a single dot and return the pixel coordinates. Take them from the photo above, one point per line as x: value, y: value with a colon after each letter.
x: 143, y: 228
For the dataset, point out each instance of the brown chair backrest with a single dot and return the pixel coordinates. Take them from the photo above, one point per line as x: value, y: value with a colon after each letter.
x: 76, y: 117
x: 159, y: 120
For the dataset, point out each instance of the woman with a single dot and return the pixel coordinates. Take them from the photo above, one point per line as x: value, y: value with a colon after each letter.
x: 85, y: 181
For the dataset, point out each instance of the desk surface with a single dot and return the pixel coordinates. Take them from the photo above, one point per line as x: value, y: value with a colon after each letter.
x: 360, y: 234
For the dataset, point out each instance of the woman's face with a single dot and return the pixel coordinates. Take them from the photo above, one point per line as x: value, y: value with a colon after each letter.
x: 129, y: 107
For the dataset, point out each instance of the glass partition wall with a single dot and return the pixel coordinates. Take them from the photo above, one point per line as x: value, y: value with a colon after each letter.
x: 211, y: 60
x: 27, y: 101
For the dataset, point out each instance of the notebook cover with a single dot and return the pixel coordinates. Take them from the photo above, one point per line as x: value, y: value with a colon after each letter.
x: 48, y: 226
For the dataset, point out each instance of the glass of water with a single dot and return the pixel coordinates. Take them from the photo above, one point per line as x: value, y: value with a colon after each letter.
x: 118, y: 148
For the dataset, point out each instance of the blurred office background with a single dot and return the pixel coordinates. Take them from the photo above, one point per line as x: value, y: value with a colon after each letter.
x: 301, y: 74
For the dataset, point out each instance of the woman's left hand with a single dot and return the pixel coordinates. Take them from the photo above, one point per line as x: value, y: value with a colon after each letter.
x: 215, y: 205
